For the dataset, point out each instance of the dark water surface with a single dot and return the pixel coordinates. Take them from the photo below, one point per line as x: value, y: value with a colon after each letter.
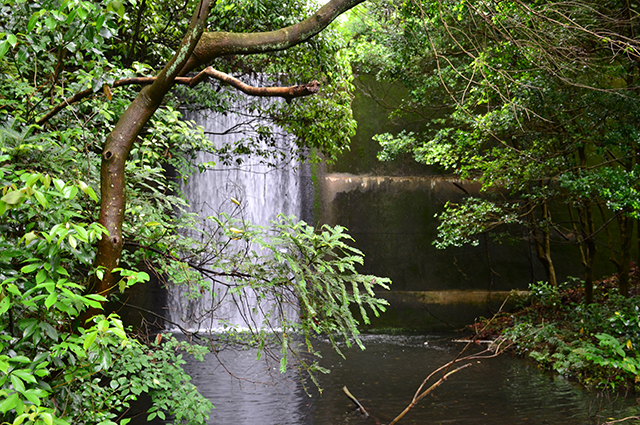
x: 502, y: 390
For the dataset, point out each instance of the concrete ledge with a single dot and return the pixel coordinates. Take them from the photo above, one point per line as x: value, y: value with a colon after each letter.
x: 451, y: 297
x: 426, y: 311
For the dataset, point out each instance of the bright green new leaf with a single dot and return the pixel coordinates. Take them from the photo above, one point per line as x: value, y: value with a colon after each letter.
x: 51, y: 300
x: 30, y: 267
x: 89, y: 339
x: 13, y: 197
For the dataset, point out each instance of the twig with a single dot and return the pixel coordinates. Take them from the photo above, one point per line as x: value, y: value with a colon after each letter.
x: 355, y: 400
x: 621, y: 420
x: 428, y: 391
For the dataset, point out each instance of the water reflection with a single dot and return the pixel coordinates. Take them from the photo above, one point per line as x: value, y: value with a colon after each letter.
x: 502, y: 390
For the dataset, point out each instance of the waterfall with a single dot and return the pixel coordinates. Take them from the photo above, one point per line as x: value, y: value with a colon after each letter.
x: 252, y: 191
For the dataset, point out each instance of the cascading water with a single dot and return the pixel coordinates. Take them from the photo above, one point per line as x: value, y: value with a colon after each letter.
x: 252, y: 191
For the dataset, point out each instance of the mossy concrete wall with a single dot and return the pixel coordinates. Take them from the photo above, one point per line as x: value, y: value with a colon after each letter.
x: 389, y: 209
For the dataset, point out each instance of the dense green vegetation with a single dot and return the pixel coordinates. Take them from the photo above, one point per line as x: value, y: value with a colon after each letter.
x: 596, y: 344
x: 86, y: 201
x: 538, y: 102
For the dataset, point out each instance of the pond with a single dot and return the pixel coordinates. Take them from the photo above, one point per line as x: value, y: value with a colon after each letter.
x: 384, y: 377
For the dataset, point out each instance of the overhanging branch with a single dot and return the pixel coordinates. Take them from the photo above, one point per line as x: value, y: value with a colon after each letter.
x: 288, y: 93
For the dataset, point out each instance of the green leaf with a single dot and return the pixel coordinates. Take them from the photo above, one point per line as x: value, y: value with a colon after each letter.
x: 99, y: 23
x: 25, y: 375
x: 50, y: 22
x: 51, y: 300
x: 59, y: 184
x: 14, y: 197
x: 4, y: 48
x: 73, y: 242
x: 91, y: 193
x: 41, y: 198
x: 41, y: 276
x: 89, y: 339
x: 32, y: 396
x: 47, y: 418
x: 29, y: 237
x: 5, y: 303
x: 32, y: 22
x: 119, y: 333
x: 30, y: 267
x: 17, y: 383
x: 9, y: 403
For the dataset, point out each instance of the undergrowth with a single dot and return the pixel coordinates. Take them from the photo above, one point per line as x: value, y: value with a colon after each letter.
x: 597, y: 344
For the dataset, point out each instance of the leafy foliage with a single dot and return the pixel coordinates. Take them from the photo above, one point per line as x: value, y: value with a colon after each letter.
x: 522, y: 97
x: 304, y: 282
x: 58, y: 368
x: 597, y: 344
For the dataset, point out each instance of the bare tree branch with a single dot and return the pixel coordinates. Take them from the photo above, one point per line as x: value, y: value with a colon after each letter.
x: 288, y: 93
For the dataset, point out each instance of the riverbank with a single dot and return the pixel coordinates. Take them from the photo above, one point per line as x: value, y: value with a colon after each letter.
x: 598, y: 344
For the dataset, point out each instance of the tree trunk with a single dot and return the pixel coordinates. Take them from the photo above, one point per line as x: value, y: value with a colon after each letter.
x: 120, y: 141
x: 542, y: 241
x: 626, y: 236
x: 588, y: 233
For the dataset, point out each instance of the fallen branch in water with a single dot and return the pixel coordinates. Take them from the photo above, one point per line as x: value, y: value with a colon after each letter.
x: 446, y: 373
x: 621, y: 420
x: 494, y: 349
x: 355, y: 400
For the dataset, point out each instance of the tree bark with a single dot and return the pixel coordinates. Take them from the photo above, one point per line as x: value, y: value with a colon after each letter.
x: 587, y: 227
x: 215, y: 44
x: 119, y: 143
x: 626, y: 236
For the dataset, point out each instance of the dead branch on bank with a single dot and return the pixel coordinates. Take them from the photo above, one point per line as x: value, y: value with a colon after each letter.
x: 622, y: 420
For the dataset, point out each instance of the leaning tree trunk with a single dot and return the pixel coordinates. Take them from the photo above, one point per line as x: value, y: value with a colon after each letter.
x: 197, y: 48
x: 119, y: 144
